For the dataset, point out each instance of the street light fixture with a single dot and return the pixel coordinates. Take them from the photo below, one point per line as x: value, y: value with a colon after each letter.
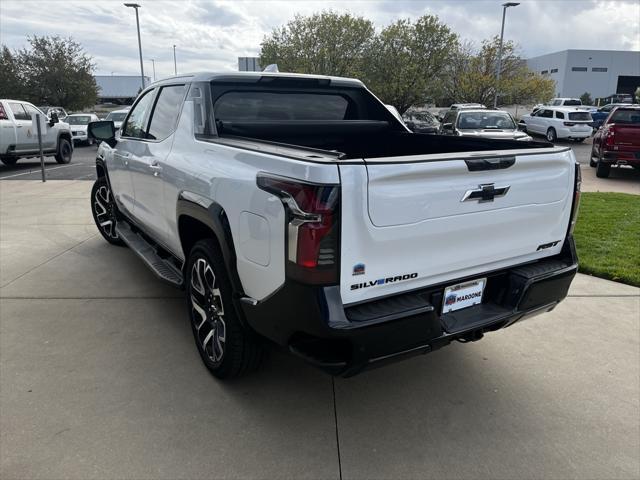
x: 175, y: 65
x: 136, y: 7
x: 504, y: 13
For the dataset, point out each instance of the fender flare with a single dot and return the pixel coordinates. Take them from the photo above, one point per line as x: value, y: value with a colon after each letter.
x: 64, y: 133
x: 215, y: 218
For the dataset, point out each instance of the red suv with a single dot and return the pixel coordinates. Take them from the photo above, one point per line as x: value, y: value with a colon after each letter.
x: 617, y: 142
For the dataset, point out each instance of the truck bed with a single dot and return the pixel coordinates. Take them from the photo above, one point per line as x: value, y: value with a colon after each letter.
x: 357, y: 139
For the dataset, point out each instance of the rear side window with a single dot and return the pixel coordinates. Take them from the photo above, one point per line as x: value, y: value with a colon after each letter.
x: 165, y: 113
x: 261, y: 106
x: 629, y: 117
x: 580, y: 116
x: 18, y: 111
x: 559, y: 115
x: 136, y: 122
x: 572, y: 103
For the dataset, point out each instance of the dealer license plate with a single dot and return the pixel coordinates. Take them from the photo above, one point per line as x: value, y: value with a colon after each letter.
x: 463, y: 295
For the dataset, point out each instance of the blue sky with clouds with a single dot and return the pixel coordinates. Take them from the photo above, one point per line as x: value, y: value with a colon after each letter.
x: 211, y: 34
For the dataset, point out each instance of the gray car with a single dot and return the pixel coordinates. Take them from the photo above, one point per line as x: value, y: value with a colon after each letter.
x: 481, y: 123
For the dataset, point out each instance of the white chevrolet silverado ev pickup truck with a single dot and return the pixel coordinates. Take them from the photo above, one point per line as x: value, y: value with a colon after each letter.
x: 298, y: 208
x: 18, y: 138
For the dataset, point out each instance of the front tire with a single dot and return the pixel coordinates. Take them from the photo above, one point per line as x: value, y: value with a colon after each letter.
x: 9, y: 161
x: 104, y: 211
x: 551, y: 135
x: 227, y: 349
x: 65, y: 151
x: 592, y: 161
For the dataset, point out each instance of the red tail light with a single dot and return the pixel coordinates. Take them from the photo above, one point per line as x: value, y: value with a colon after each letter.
x: 610, y: 136
x: 3, y: 114
x: 312, y: 227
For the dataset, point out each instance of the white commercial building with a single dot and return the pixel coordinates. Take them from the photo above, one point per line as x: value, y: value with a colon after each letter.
x: 600, y: 73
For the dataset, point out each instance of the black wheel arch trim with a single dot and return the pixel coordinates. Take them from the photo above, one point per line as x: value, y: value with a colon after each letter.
x: 212, y: 215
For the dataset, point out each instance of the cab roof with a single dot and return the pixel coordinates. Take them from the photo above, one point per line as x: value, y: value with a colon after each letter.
x: 253, y: 77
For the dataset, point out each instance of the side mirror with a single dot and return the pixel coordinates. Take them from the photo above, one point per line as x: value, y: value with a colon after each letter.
x: 104, y: 131
x: 53, y: 119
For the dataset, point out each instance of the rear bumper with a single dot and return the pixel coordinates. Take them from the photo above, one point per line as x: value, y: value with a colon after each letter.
x: 566, y: 133
x: 313, y: 323
x: 621, y: 157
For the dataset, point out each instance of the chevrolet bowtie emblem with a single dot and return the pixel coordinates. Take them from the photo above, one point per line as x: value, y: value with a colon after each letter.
x: 485, y: 192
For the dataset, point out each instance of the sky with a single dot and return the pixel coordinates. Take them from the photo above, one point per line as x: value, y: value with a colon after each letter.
x: 211, y: 34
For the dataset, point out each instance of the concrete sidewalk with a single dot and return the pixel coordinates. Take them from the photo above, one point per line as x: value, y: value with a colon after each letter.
x: 99, y: 378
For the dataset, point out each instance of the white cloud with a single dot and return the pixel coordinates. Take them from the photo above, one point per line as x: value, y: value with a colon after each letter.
x: 210, y: 35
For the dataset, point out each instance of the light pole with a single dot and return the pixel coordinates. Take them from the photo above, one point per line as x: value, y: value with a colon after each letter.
x: 153, y: 63
x: 504, y: 13
x: 136, y: 7
x: 175, y: 65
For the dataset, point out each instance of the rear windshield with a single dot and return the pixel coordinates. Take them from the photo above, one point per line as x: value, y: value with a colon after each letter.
x: 584, y: 116
x: 572, y: 103
x: 116, y: 117
x: 628, y: 117
x: 80, y: 120
x: 258, y: 106
x: 485, y: 120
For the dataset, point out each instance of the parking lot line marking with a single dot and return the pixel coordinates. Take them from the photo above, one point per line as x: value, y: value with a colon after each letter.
x: 31, y: 172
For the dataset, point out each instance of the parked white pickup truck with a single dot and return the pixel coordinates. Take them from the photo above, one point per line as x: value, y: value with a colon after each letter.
x: 18, y: 138
x: 300, y: 209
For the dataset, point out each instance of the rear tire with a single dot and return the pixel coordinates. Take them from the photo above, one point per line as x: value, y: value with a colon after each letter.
x: 65, y: 151
x: 104, y: 211
x: 226, y: 347
x: 551, y: 135
x: 9, y: 161
x: 603, y: 170
x: 579, y: 140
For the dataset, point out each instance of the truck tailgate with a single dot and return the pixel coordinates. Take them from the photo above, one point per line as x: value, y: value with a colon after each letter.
x: 411, y: 222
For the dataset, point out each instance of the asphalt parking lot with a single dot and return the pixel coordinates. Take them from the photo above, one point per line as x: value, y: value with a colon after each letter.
x: 82, y: 167
x: 100, y: 379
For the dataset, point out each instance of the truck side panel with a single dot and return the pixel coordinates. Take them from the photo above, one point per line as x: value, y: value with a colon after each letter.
x: 227, y: 175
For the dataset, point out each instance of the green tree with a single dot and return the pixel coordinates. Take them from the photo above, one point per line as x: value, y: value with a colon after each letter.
x: 11, y: 82
x: 325, y: 43
x: 586, y: 99
x: 407, y: 59
x: 52, y: 71
x: 471, y: 76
